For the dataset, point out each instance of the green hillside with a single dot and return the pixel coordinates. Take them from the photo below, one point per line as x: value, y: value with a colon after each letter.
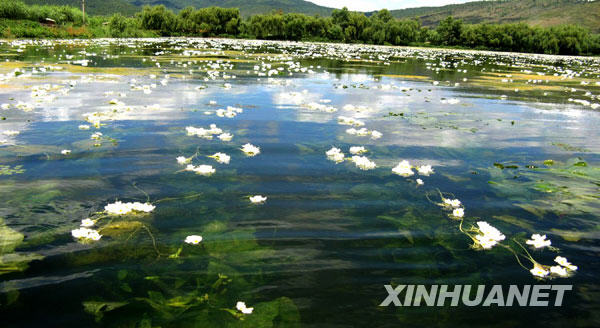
x: 247, y: 7
x: 534, y: 12
x: 93, y: 7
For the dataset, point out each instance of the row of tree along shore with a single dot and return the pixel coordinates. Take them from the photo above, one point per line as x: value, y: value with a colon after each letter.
x: 18, y: 20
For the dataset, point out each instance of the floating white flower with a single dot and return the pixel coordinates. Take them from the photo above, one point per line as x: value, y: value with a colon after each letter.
x: 86, y: 234
x: 65, y: 151
x: 204, y: 133
x: 343, y: 120
x: 489, y: 236
x: 258, y: 199
x: 425, y: 170
x: 403, y: 168
x: 225, y: 136
x: 205, y: 170
x: 564, y: 262
x: 335, y: 154
x: 120, y: 208
x: 538, y: 241
x: 84, y: 127
x: 96, y: 136
x: 376, y: 134
x: 183, y: 160
x: 458, y: 212
x: 87, y: 223
x: 142, y: 207
x: 221, y: 158
x: 558, y: 270
x: 420, y: 182
x: 356, y: 150
x: 363, y: 163
x: 539, y: 271
x: 452, y: 202
x: 241, y: 306
x: 10, y: 133
x: 250, y: 149
x: 193, y: 239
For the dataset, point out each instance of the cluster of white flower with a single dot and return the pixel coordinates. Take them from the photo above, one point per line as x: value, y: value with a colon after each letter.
x: 335, y: 154
x: 403, y: 168
x: 364, y: 132
x: 363, y: 163
x: 86, y: 234
x: 489, y: 236
x: 230, y: 112
x: 204, y: 133
x: 120, y: 208
x: 343, y: 120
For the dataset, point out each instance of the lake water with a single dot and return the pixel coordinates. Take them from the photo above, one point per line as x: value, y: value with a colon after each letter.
x: 514, y: 137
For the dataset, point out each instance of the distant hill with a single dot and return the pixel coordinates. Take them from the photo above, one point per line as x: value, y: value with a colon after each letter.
x: 534, y: 12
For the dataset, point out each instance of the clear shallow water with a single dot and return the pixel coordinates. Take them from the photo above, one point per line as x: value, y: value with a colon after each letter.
x: 319, y: 251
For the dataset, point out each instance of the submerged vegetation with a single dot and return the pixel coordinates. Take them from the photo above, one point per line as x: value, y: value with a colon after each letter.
x: 185, y: 182
x: 19, y: 20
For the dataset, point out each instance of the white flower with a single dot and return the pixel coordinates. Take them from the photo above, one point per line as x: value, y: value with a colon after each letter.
x: 225, y: 136
x: 65, y: 151
x: 376, y: 134
x: 425, y: 170
x: 87, y: 223
x: 142, y: 207
x: 452, y: 202
x: 85, y: 233
x: 241, y: 306
x: 258, y: 199
x: 403, y: 168
x: 420, y: 182
x: 538, y: 241
x: 558, y: 270
x: 489, y: 236
x: 120, y: 208
x: 221, y: 158
x: 363, y: 163
x: 333, y: 151
x: 458, y: 212
x: 357, y: 150
x: 205, y: 170
x: 84, y: 127
x: 564, y: 262
x: 193, y: 239
x: 485, y: 242
x: 539, y: 271
x: 10, y: 132
x: 182, y: 160
x: 96, y: 135
x: 250, y: 150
